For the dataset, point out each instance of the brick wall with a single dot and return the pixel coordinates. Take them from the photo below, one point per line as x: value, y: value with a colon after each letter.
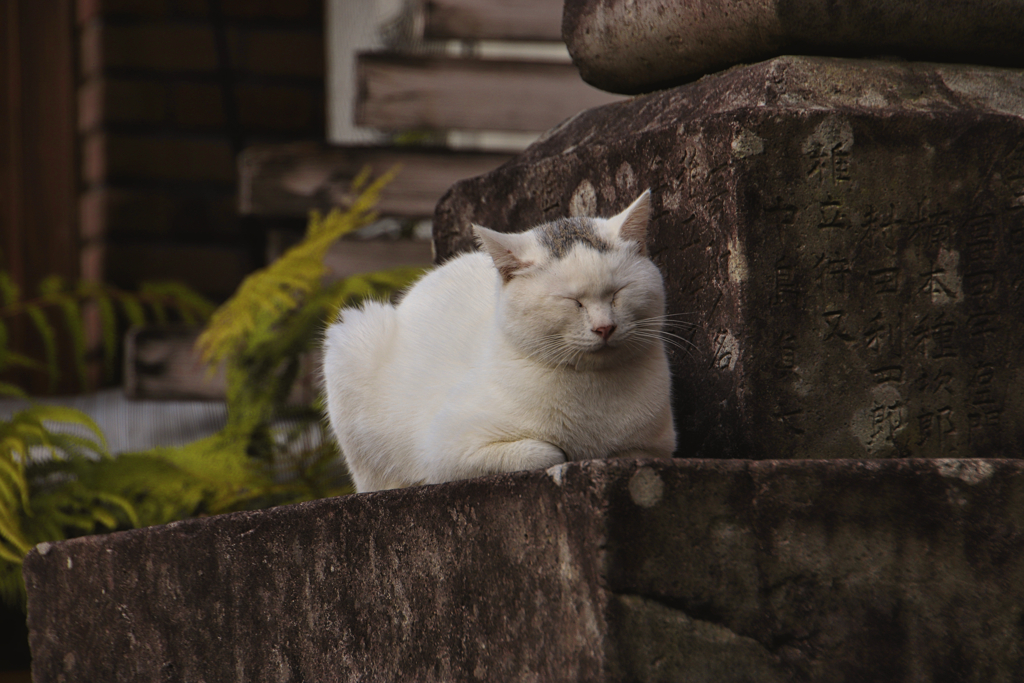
x: 170, y: 91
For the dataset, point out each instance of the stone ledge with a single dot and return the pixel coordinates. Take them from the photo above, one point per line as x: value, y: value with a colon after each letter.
x: 631, y: 47
x: 600, y: 571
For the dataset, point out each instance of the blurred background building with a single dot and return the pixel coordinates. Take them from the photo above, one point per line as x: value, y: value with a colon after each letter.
x: 126, y: 123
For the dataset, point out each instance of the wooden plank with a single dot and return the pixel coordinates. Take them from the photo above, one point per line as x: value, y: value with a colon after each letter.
x: 291, y: 180
x: 399, y: 92
x: 350, y: 257
x: 538, y: 20
x: 40, y: 181
x: 161, y: 362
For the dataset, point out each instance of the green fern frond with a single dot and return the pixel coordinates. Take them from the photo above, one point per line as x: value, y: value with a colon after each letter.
x: 76, y: 329
x: 12, y: 471
x: 159, y: 312
x: 71, y: 416
x: 10, y: 358
x: 160, y: 489
x: 71, y: 301
x: 74, y: 505
x: 121, y: 503
x: 78, y: 489
x: 14, y: 557
x: 133, y: 310
x: 49, y: 336
x: 108, y: 330
x: 12, y: 542
x: 50, y: 285
x: 10, y: 497
x: 26, y: 433
x: 27, y: 429
x: 10, y: 293
x: 8, y: 389
x: 21, y: 360
x: 44, y: 500
x: 277, y: 289
x: 190, y: 305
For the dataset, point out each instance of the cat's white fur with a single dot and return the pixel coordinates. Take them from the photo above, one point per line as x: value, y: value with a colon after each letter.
x: 483, y: 369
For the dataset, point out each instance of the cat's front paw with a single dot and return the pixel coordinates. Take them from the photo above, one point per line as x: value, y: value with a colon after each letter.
x: 513, y: 456
x: 497, y: 458
x: 541, y: 455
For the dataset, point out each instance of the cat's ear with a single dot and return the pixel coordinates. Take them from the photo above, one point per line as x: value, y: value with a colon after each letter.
x: 506, y: 250
x: 631, y: 224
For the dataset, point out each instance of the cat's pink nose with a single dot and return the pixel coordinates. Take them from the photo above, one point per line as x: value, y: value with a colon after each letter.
x: 604, y: 331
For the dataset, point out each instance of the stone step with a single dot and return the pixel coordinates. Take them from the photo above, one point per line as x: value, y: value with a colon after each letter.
x: 636, y: 47
x: 842, y: 242
x: 621, y: 570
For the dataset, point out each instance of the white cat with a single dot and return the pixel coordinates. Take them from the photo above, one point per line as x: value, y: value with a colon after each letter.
x: 546, y: 347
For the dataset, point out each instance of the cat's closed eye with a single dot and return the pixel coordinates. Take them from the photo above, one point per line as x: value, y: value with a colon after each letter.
x: 574, y: 300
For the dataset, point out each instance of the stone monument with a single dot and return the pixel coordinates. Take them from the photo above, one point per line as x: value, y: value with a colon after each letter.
x: 843, y: 240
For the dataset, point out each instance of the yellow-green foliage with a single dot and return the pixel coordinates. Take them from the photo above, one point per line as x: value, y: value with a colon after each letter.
x: 68, y: 302
x: 48, y: 490
x: 31, y: 512
x: 278, y: 289
x: 257, y: 459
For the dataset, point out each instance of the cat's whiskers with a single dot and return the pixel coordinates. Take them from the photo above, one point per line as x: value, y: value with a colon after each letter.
x: 658, y: 333
x: 567, y: 356
x: 554, y: 351
x: 666, y: 335
x: 660, y: 323
x: 666, y: 316
x: 670, y: 320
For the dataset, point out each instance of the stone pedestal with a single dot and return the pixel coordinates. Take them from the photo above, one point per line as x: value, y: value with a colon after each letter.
x: 842, y: 242
x: 723, y: 571
x: 635, y: 47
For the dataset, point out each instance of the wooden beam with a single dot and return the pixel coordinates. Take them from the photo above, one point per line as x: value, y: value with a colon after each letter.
x: 291, y: 180
x: 398, y: 92
x: 39, y: 178
x: 538, y: 20
x: 38, y: 174
x: 349, y: 257
x: 161, y: 362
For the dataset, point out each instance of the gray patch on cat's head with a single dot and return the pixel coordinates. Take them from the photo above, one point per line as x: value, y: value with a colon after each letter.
x: 560, y: 236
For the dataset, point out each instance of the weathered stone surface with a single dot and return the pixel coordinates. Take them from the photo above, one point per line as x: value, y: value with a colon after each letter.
x: 636, y: 47
x: 487, y: 582
x: 726, y: 571
x: 845, y: 237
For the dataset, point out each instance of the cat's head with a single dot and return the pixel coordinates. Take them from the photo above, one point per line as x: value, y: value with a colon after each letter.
x: 579, y: 292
